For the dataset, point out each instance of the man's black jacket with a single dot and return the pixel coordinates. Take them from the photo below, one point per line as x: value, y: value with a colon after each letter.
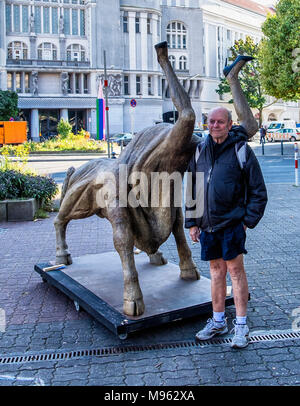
x: 231, y: 195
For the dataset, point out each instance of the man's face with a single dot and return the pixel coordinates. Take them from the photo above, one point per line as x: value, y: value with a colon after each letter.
x: 218, y: 125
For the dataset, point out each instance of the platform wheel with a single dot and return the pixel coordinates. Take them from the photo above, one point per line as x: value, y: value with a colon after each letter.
x: 123, y: 336
x: 77, y: 307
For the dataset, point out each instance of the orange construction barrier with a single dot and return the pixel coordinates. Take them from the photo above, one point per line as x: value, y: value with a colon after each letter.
x: 13, y: 132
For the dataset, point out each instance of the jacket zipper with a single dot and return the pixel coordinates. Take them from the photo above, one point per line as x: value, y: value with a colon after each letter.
x: 208, y: 182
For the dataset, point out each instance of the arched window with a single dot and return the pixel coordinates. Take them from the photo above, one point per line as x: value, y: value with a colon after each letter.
x: 176, y: 35
x: 172, y: 61
x: 47, y: 51
x: 17, y: 50
x: 183, y: 63
x: 75, y: 52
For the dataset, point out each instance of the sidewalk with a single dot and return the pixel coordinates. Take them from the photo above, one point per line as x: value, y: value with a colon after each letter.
x: 41, y: 320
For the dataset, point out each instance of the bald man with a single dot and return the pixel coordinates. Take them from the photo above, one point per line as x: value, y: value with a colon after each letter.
x: 234, y: 199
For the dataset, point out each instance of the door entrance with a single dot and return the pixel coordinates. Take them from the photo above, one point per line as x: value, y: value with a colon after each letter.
x: 77, y: 119
x: 48, y: 123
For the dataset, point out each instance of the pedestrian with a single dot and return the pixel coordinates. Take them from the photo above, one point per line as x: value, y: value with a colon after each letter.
x: 262, y: 132
x: 234, y: 200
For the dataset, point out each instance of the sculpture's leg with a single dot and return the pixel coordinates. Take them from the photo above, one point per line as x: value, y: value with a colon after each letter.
x: 241, y: 105
x: 158, y: 258
x: 62, y: 254
x: 188, y: 269
x: 123, y: 242
x: 185, y: 124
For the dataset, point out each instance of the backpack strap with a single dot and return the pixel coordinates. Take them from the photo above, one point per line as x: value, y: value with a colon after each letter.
x: 240, y: 151
x: 198, y: 150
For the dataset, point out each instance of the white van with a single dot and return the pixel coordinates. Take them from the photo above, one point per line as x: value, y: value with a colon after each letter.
x: 278, y: 125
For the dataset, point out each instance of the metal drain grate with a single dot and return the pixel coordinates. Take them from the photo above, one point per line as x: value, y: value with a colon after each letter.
x: 58, y: 356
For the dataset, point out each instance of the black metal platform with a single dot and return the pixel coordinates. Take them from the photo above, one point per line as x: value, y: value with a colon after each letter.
x: 95, y: 283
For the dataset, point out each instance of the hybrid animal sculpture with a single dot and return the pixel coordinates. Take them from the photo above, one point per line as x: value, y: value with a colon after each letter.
x: 161, y: 148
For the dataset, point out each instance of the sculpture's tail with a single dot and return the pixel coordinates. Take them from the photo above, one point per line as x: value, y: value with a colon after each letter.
x: 64, y: 189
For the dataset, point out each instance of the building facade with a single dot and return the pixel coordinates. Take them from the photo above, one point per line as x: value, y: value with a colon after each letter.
x: 52, y: 54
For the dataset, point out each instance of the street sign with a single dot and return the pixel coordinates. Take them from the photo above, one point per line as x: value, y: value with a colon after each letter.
x: 133, y: 103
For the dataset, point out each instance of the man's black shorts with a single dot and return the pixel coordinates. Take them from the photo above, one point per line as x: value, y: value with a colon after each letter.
x: 227, y: 243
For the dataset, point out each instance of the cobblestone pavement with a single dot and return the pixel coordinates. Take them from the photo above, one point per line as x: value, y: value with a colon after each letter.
x: 40, y: 319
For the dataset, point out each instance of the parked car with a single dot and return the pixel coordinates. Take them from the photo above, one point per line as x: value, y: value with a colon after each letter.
x: 285, y: 134
x: 121, y: 138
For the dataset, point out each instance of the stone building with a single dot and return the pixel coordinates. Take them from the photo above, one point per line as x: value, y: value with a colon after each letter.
x: 52, y: 54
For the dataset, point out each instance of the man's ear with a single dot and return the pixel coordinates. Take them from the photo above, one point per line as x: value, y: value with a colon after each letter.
x: 230, y: 124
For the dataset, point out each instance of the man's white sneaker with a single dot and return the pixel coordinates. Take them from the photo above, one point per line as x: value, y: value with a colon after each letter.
x: 212, y: 329
x: 241, y: 335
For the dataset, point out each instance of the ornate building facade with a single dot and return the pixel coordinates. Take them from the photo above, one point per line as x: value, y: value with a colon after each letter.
x: 52, y: 54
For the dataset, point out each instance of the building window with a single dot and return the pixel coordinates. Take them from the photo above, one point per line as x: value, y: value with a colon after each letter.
x: 18, y: 83
x: 150, y: 93
x: 138, y: 85
x: 17, y: 50
x: 85, y: 83
x: 126, y: 85
x: 17, y: 25
x: 46, y: 20
x: 183, y: 63
x: 54, y: 12
x: 77, y: 83
x: 176, y: 35
x: 67, y: 21
x: 172, y: 60
x: 74, y: 22
x: 82, y: 23
x: 37, y: 19
x: 137, y: 24
x: 75, y: 52
x: 9, y: 81
x: 27, y: 82
x: 125, y: 22
x: 25, y: 19
x: 47, y: 52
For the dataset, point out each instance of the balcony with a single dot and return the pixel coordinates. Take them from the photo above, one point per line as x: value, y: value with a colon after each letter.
x: 42, y: 63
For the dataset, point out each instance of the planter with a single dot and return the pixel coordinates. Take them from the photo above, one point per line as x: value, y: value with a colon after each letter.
x: 18, y: 209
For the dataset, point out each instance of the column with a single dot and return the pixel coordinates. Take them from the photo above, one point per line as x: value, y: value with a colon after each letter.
x: 132, y: 42
x: 132, y: 84
x: 144, y: 48
x: 144, y: 85
x: 207, y: 60
x: 155, y: 85
x: 64, y: 114
x: 73, y: 78
x: 2, y: 35
x: 81, y: 84
x: 34, y: 124
x: 155, y: 40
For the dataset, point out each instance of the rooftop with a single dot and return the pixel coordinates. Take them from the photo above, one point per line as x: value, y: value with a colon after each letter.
x: 252, y: 6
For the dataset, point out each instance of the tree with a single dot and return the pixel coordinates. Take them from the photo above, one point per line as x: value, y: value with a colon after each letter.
x: 8, y: 105
x: 280, y: 51
x: 250, y: 77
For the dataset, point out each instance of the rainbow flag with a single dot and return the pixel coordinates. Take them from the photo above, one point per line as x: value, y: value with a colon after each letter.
x: 100, y: 114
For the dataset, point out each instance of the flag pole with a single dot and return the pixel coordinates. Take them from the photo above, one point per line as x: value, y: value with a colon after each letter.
x: 106, y: 105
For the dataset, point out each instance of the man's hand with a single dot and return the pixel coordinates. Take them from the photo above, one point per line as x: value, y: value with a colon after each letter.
x: 194, y: 234
x: 245, y: 227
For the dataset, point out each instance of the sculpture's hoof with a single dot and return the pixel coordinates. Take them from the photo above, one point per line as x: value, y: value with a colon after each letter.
x: 190, y: 274
x: 64, y: 259
x: 162, y: 50
x: 134, y: 308
x: 236, y: 66
x: 158, y: 259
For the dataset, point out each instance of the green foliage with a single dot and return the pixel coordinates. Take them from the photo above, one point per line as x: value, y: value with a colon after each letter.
x: 279, y: 49
x: 8, y: 105
x: 64, y: 128
x: 249, y: 76
x: 16, y: 185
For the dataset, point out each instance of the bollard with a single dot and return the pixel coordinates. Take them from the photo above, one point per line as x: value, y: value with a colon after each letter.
x: 296, y: 164
x: 113, y: 155
x: 262, y: 147
x: 281, y: 146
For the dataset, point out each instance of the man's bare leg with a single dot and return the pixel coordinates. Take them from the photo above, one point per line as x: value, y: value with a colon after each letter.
x: 218, y: 271
x: 239, y: 284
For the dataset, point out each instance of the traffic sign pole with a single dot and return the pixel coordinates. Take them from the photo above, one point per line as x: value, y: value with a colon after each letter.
x: 296, y: 164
